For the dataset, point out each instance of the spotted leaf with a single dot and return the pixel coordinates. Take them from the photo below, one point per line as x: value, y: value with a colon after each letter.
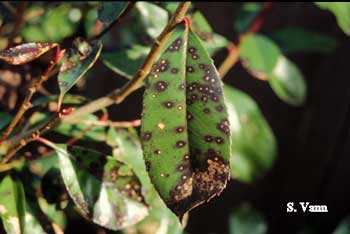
x: 185, y: 130
x: 76, y: 63
x: 105, y: 190
x: 26, y: 52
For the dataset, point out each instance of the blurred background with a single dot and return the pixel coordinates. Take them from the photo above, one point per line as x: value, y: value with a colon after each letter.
x: 312, y: 140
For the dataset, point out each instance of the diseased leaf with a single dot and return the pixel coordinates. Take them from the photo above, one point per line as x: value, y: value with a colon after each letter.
x: 246, y: 15
x: 294, y: 39
x: 288, y: 82
x: 212, y: 41
x: 26, y: 52
x: 104, y: 189
x: 245, y: 219
x: 126, y: 62
x: 253, y: 143
x: 77, y: 63
x: 109, y: 11
x: 16, y: 215
x: 185, y: 133
x: 127, y: 148
x: 12, y: 205
x: 341, y: 11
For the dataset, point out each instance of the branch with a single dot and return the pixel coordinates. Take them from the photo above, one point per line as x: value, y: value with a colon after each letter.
x: 18, y: 23
x: 118, y: 124
x: 230, y: 61
x: 23, y: 142
x: 32, y: 90
x: 117, y: 96
x: 104, y: 31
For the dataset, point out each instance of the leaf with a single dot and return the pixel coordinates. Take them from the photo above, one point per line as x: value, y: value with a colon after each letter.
x: 26, y: 52
x: 212, y: 41
x: 77, y: 63
x: 343, y: 227
x: 341, y: 11
x: 126, y: 62
x: 56, y: 24
x: 68, y: 99
x: 12, y: 205
x: 104, y: 189
x: 263, y: 59
x: 259, y: 54
x: 245, y: 219
x: 16, y: 215
x: 110, y: 11
x: 127, y: 148
x: 246, y: 15
x: 185, y: 135
x: 5, y: 119
x: 295, y: 39
x: 95, y: 133
x: 152, y: 17
x: 253, y: 143
x: 288, y: 82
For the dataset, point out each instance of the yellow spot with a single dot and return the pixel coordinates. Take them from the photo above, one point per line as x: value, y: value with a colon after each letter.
x: 180, y: 107
x: 154, y: 96
x: 162, y: 174
x: 161, y: 126
x: 184, y: 177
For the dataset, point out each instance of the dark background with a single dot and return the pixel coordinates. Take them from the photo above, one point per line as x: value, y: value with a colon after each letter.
x: 313, y: 140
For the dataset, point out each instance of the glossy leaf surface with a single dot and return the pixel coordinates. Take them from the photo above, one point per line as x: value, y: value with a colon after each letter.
x: 253, y: 143
x: 185, y: 129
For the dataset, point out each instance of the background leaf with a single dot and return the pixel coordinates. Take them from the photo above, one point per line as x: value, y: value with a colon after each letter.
x: 245, y: 219
x: 110, y: 11
x: 295, y: 39
x: 341, y: 11
x: 246, y: 15
x: 288, y: 82
x: 264, y: 60
x: 5, y: 119
x: 253, y: 145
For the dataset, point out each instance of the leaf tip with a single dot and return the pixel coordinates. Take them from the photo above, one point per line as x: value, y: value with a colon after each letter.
x: 187, y: 21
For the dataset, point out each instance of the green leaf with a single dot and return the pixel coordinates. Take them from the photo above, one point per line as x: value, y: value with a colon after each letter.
x: 245, y: 219
x: 95, y: 133
x: 16, y: 215
x: 68, y: 99
x: 77, y: 63
x: 104, y: 189
x: 5, y: 119
x: 152, y: 17
x: 186, y: 138
x: 343, y: 227
x: 263, y: 59
x: 12, y: 205
x: 259, y: 54
x: 126, y: 62
x: 54, y: 215
x: 212, y: 41
x: 288, y: 82
x: 26, y: 52
x: 127, y: 148
x: 246, y: 15
x: 56, y: 24
x: 341, y: 11
x: 110, y: 11
x: 295, y: 39
x: 253, y: 143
